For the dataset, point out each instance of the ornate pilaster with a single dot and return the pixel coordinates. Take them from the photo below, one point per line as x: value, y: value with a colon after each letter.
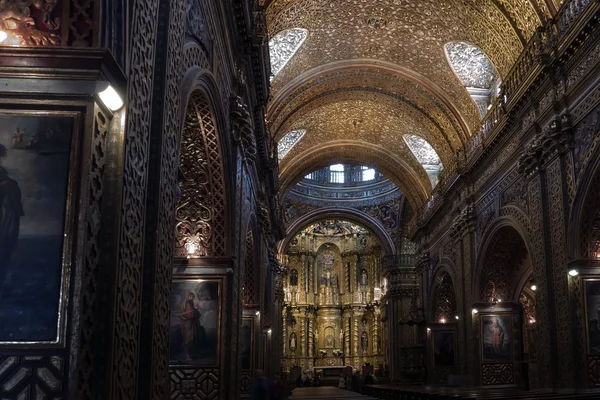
x: 242, y: 128
x: 545, y: 163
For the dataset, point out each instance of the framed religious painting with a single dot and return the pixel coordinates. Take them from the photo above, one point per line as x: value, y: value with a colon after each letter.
x: 443, y: 351
x: 246, y: 339
x: 496, y: 338
x: 591, y: 288
x: 38, y: 154
x: 196, y: 308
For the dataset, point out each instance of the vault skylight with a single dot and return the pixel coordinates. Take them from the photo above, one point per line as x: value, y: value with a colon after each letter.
x: 475, y: 71
x: 426, y: 156
x: 283, y: 47
x: 286, y: 143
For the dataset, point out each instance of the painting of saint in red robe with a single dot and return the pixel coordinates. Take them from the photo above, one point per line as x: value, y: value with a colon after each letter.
x: 497, y: 345
x: 195, y: 310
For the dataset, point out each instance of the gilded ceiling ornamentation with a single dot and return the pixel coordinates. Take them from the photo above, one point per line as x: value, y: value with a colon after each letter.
x: 371, y: 72
x: 422, y: 150
x: 472, y: 67
x: 283, y: 47
x: 333, y: 228
x: 285, y: 144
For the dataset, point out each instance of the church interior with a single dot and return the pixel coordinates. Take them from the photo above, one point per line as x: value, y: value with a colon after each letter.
x: 393, y: 199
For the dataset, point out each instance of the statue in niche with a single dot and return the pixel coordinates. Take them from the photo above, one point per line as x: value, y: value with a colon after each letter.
x: 323, y: 280
x: 329, y: 341
x: 293, y: 341
x: 364, y: 278
x: 294, y: 278
x: 364, y: 341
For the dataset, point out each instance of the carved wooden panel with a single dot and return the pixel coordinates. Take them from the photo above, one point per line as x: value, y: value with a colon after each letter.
x: 497, y: 374
x: 249, y: 283
x: 200, y: 211
x: 441, y: 374
x: 246, y: 382
x: 32, y: 377
x: 194, y: 384
x: 593, y: 371
x: 443, y: 304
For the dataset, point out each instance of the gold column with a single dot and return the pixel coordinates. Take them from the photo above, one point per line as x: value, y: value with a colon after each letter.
x: 311, y: 335
x: 347, y: 333
x: 355, y: 338
x: 375, y: 341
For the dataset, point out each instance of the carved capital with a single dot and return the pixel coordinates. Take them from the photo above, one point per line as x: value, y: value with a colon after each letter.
x: 264, y: 219
x: 242, y: 127
x: 463, y: 224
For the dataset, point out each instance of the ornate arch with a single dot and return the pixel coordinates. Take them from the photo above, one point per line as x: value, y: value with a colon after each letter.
x: 504, y: 248
x: 443, y: 296
x: 200, y: 228
x: 583, y: 240
x: 344, y: 213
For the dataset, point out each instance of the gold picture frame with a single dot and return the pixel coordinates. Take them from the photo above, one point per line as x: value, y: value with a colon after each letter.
x: 197, y: 306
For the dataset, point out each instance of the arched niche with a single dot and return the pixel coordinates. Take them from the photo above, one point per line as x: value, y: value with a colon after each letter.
x: 328, y: 264
x: 200, y: 229
x: 502, y: 259
x: 443, y: 297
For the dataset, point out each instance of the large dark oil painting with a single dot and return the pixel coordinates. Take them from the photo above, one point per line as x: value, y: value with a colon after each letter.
x: 497, y: 338
x: 195, y: 310
x: 592, y: 293
x: 247, y: 343
x: 34, y: 173
x: 443, y: 349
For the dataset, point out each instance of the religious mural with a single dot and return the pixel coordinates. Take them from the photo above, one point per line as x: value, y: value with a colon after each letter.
x: 496, y: 335
x: 195, y: 311
x: 246, y: 340
x: 592, y: 293
x: 35, y: 152
x: 443, y: 349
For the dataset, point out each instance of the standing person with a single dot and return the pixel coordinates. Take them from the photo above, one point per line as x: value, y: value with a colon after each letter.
x: 342, y: 382
x: 277, y: 389
x: 369, y: 379
x: 190, y: 326
x: 355, y: 383
x: 11, y: 211
x: 260, y: 386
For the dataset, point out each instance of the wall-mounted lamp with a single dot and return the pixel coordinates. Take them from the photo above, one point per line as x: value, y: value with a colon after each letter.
x: 110, y: 98
x: 428, y: 329
x: 474, y: 311
x: 269, y: 331
x: 257, y: 313
x: 533, y: 287
x: 532, y: 320
x: 573, y: 272
x: 456, y: 317
x: 443, y: 320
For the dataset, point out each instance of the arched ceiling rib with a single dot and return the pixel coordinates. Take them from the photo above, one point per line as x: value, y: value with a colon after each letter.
x: 404, y: 171
x: 370, y: 72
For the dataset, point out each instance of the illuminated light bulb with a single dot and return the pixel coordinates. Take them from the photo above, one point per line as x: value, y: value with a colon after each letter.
x: 533, y: 287
x: 490, y: 107
x: 111, y: 98
x: 499, y: 300
x: 269, y: 331
x: 258, y: 313
x: 456, y: 316
x: 443, y: 320
x: 428, y: 329
x: 532, y: 321
x: 474, y: 311
x: 3, y: 36
x: 573, y: 272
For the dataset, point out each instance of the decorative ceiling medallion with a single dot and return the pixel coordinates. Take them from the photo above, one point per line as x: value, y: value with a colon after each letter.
x: 288, y: 141
x: 283, y: 47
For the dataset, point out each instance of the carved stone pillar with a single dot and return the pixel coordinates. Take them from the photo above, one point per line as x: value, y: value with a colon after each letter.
x: 355, y: 338
x: 546, y: 164
x: 347, y: 334
x: 311, y: 335
x: 375, y: 335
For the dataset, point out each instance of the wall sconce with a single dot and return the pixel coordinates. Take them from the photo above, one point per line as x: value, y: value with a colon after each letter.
x: 456, y: 317
x: 533, y: 287
x: 532, y: 320
x: 428, y: 329
x: 257, y: 313
x: 191, y: 248
x: 443, y: 320
x: 474, y: 311
x: 269, y: 331
x: 573, y: 272
x: 110, y: 98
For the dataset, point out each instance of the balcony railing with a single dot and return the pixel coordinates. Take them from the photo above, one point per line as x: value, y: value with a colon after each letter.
x: 542, y: 45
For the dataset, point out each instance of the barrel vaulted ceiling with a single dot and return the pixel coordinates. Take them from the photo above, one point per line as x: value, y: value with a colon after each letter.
x: 365, y: 73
